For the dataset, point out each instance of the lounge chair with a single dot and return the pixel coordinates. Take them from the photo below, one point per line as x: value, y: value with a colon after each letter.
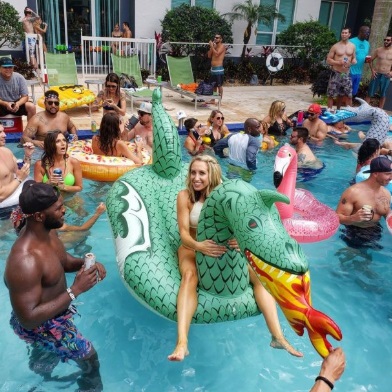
x: 180, y: 72
x: 63, y: 78
x: 130, y: 65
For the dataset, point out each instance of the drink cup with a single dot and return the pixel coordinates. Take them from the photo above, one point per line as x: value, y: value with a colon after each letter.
x: 89, y: 260
x: 368, y: 209
x: 159, y: 78
x: 20, y: 163
x: 367, y: 59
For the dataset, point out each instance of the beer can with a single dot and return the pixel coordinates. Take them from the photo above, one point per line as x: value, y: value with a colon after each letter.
x: 71, y: 137
x: 57, y: 171
x: 93, y: 126
x: 20, y: 163
x: 89, y: 260
x: 367, y: 207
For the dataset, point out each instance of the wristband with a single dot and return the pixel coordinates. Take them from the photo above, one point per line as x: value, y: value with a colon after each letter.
x: 72, y: 295
x: 18, y: 179
x: 325, y: 380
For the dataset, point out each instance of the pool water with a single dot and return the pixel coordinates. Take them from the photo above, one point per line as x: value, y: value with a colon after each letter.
x: 351, y: 286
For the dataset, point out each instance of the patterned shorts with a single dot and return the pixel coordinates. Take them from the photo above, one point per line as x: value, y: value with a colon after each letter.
x: 58, y: 335
x: 339, y: 85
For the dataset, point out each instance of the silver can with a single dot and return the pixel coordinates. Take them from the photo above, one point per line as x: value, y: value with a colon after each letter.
x: 89, y: 260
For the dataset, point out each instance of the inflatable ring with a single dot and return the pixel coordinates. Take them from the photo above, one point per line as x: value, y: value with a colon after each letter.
x: 141, y: 207
x: 102, y: 167
x: 274, y: 62
x: 305, y: 218
x: 70, y: 97
x: 264, y: 145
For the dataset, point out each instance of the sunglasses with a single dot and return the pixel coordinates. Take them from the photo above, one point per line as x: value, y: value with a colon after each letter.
x: 50, y: 103
x: 220, y: 118
x: 111, y: 85
x: 387, y: 40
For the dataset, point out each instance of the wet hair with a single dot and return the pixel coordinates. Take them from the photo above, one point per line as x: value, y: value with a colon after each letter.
x: 275, y: 109
x: 368, y: 148
x: 113, y: 77
x: 214, y: 176
x: 109, y: 132
x: 302, y: 132
x: 189, y: 123
x: 50, y: 149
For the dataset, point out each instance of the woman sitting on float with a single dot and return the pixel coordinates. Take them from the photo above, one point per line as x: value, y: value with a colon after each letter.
x: 204, y: 175
x: 68, y: 177
x: 108, y: 142
x: 277, y: 120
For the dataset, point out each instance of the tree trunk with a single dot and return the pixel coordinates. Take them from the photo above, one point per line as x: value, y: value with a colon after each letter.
x: 380, y: 23
x: 247, y: 33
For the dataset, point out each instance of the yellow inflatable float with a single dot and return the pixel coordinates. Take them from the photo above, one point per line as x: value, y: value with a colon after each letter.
x: 71, y: 96
x: 102, y: 167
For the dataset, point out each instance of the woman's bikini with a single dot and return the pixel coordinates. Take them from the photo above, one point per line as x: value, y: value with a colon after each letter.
x: 69, y: 178
x: 278, y: 129
x: 195, y: 214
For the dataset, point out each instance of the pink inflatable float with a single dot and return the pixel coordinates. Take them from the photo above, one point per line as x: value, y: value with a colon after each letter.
x: 305, y: 218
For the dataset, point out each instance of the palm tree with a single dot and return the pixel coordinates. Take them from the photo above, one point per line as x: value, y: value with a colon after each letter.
x: 253, y: 14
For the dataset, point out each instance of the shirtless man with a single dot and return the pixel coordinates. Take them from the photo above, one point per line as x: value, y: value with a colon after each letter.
x: 217, y: 54
x: 381, y: 72
x: 317, y: 128
x: 11, y: 177
x: 35, y: 277
x: 340, y: 57
x: 48, y: 120
x: 28, y: 26
x: 143, y: 128
x: 362, y: 205
x: 305, y: 156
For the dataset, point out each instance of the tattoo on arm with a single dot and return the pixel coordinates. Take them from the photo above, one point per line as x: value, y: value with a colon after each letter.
x: 30, y: 132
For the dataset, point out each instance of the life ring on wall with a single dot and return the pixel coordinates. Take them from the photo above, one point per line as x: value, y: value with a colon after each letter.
x: 274, y: 62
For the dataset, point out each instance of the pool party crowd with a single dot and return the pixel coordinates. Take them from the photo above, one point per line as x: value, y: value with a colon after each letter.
x: 35, y: 191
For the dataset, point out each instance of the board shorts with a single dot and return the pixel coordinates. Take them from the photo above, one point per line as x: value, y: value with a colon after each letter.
x: 217, y: 75
x: 359, y: 237
x: 339, y: 85
x: 379, y: 84
x: 58, y: 335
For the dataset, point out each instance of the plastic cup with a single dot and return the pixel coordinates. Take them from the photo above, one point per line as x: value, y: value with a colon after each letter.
x: 159, y: 78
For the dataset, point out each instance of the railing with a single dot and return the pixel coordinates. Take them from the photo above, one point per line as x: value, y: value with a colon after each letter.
x: 95, y: 53
x: 34, y: 42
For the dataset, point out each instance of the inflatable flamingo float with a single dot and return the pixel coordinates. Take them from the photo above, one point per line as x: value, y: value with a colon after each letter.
x: 305, y: 218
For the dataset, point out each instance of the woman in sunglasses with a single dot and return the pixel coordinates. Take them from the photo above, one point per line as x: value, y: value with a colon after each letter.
x: 277, y: 120
x: 111, y: 98
x: 217, y: 127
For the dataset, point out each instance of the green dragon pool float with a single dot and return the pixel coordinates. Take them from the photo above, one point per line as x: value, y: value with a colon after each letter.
x: 142, y: 213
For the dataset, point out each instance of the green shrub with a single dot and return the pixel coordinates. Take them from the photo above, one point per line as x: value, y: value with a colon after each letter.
x: 316, y: 40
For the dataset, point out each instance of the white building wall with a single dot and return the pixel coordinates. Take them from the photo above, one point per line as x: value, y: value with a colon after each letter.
x: 307, y: 10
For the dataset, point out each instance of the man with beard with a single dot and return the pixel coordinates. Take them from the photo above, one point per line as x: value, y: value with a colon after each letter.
x: 48, y: 120
x: 35, y: 277
x: 341, y: 57
x: 144, y: 127
x: 362, y: 205
x: 381, y: 72
x: 317, y: 128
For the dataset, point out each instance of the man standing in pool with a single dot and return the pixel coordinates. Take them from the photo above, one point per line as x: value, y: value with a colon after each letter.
x: 317, y: 128
x: 35, y: 277
x: 362, y: 205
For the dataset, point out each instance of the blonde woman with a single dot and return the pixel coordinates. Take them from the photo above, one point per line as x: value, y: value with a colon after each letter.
x: 217, y: 127
x: 277, y: 120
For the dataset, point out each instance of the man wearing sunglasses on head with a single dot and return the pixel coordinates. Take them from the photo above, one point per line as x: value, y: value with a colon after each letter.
x: 381, y: 71
x: 14, y: 94
x: 48, y: 120
x: 317, y: 128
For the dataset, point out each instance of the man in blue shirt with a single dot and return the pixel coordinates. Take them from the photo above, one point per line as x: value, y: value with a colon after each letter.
x: 362, y: 48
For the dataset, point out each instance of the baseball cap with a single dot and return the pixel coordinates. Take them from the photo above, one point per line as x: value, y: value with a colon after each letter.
x: 37, y: 196
x: 145, y: 107
x: 380, y: 164
x: 6, y: 62
x: 314, y: 108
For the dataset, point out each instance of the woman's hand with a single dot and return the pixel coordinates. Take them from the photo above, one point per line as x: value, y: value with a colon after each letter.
x: 211, y: 248
x: 233, y: 244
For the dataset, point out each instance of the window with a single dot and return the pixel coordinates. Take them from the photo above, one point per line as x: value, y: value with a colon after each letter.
x: 266, y: 34
x: 333, y: 14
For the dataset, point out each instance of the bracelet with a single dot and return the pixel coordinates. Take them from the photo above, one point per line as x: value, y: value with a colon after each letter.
x: 18, y: 179
x: 72, y: 295
x: 325, y: 380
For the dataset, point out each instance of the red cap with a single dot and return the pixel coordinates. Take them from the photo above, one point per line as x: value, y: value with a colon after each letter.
x: 314, y: 108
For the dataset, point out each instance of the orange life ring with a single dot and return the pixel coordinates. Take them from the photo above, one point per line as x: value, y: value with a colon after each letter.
x: 102, y: 167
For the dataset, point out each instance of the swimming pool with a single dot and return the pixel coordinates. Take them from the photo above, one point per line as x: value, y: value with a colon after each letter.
x: 351, y: 286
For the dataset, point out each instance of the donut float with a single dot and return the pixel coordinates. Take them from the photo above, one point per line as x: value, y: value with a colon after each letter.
x: 102, y: 167
x: 305, y: 218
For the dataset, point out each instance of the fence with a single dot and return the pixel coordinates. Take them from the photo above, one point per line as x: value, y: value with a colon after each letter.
x: 95, y: 54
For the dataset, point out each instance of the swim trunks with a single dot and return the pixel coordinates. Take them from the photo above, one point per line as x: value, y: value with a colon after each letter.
x: 359, y: 237
x: 339, y: 85
x: 379, y: 84
x: 58, y: 335
x: 217, y: 75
